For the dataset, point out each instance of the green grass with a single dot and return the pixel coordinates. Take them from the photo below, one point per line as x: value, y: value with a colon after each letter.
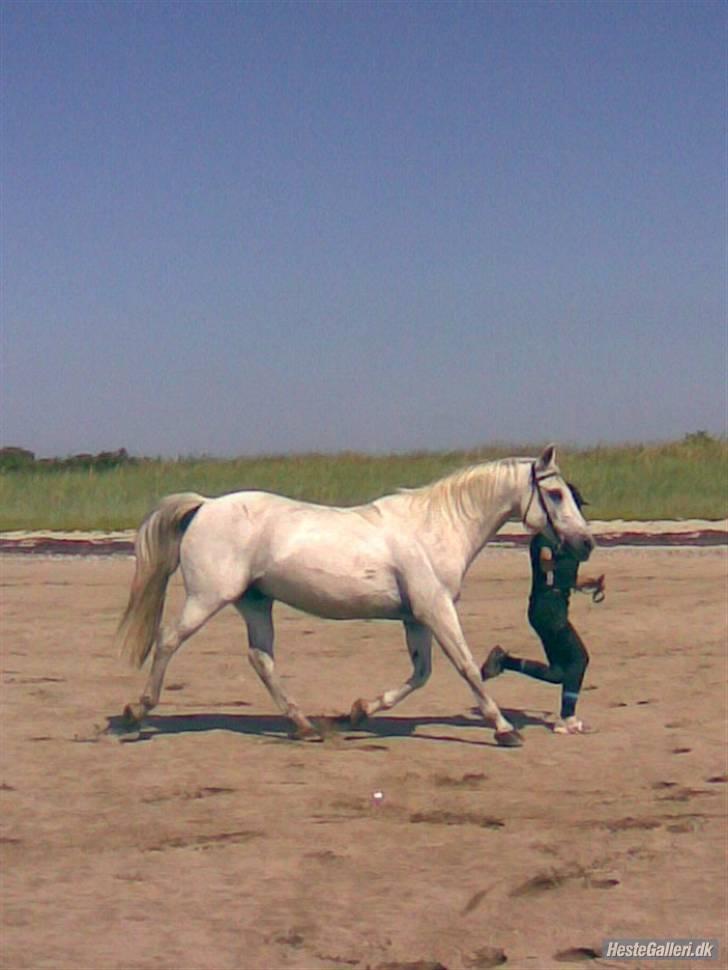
x: 687, y: 479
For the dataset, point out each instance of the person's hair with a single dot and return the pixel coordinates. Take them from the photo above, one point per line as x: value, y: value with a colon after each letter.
x: 578, y: 497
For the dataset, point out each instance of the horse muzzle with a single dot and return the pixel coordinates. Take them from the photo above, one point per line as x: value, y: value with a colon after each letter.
x: 580, y: 546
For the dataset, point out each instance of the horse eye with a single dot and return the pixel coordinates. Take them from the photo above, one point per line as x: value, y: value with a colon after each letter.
x: 555, y: 497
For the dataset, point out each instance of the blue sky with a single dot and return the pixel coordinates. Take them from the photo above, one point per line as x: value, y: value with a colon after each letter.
x: 234, y: 228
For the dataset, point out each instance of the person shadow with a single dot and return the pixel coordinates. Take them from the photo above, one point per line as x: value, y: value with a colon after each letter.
x: 278, y: 728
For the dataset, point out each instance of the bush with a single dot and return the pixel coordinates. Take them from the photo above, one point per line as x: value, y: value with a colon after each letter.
x: 13, y: 459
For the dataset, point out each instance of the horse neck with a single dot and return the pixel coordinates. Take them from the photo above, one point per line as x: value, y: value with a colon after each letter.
x: 497, y: 504
x: 471, y: 506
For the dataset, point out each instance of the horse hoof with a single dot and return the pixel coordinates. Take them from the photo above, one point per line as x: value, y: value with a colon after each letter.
x: 509, y: 739
x: 358, y: 713
x: 133, y: 715
x: 305, y: 732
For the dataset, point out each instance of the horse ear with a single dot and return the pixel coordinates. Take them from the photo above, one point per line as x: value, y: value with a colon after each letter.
x: 547, y: 459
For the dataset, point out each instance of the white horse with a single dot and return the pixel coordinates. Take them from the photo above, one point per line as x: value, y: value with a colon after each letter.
x: 402, y: 557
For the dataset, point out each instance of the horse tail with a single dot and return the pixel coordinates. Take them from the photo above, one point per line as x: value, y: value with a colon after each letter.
x: 157, y: 556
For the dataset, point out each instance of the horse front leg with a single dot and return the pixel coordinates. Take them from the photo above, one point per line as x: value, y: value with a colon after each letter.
x: 257, y: 611
x: 419, y: 645
x: 441, y: 617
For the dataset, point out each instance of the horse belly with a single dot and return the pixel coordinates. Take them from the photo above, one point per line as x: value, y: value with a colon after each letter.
x: 363, y: 592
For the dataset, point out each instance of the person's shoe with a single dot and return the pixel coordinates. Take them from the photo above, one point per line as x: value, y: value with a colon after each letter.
x: 572, y: 725
x: 493, y: 663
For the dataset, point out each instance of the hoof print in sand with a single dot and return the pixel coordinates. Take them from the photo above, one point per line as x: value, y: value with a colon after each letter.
x: 205, y: 841
x: 412, y: 965
x: 684, y: 794
x: 692, y: 823
x: 608, y: 882
x: 475, y: 900
x: 457, y: 818
x: 577, y: 954
x: 469, y: 780
x: 543, y: 881
x: 554, y: 878
x: 291, y: 938
x: 622, y: 824
x: 485, y: 957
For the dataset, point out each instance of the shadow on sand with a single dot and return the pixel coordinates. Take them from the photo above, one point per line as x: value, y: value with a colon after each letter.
x: 277, y: 727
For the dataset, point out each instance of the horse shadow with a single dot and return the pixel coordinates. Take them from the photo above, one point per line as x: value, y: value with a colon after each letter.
x: 278, y: 728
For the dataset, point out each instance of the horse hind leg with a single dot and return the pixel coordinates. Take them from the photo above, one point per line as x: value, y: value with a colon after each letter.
x: 419, y: 645
x: 257, y: 611
x: 195, y: 614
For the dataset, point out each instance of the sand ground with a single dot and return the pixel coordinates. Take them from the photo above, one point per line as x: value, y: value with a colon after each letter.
x: 216, y: 842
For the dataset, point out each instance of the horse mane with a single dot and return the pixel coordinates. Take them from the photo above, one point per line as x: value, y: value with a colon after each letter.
x: 466, y: 492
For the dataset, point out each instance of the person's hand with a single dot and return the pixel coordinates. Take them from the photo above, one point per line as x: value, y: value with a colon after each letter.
x: 600, y: 587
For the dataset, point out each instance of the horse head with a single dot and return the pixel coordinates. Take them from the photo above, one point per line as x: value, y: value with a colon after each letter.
x: 551, y: 507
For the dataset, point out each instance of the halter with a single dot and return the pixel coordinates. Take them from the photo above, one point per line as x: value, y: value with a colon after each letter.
x: 536, y: 491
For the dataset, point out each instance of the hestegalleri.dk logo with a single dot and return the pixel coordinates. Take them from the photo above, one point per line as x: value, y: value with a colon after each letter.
x: 686, y: 949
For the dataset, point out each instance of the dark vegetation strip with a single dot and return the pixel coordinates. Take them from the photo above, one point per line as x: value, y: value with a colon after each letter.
x: 113, y: 490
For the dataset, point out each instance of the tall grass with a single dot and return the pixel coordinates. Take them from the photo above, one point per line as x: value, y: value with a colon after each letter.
x: 687, y: 479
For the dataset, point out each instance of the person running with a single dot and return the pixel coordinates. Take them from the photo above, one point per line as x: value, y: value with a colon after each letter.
x: 554, y: 572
